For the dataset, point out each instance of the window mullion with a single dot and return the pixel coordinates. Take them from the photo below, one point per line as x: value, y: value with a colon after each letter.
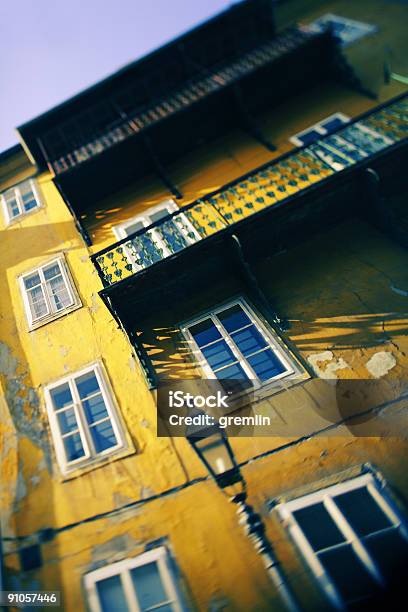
x: 240, y: 357
x: 313, y: 559
x: 385, y: 507
x: 235, y: 351
x: 108, y: 401
x: 352, y: 537
x: 168, y: 583
x: 44, y: 289
x: 130, y: 592
x: 63, y: 272
x: 19, y: 200
x: 35, y: 192
x: 82, y: 423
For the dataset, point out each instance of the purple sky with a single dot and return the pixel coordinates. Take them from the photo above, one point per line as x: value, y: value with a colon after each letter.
x: 51, y: 49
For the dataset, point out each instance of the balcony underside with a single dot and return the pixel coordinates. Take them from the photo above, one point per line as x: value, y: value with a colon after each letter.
x: 261, y: 235
x: 321, y: 182
x: 296, y: 61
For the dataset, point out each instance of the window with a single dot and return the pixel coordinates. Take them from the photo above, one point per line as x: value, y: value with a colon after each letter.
x: 82, y: 417
x: 160, y: 241
x: 233, y: 345
x: 322, y: 128
x: 140, y: 584
x: 352, y: 538
x: 20, y: 200
x: 347, y: 30
x: 47, y: 291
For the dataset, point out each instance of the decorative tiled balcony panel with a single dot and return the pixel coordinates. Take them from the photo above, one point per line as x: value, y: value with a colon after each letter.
x: 150, y: 245
x: 262, y: 188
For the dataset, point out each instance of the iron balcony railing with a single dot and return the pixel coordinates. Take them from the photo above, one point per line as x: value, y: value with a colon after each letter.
x: 78, y: 140
x: 291, y: 174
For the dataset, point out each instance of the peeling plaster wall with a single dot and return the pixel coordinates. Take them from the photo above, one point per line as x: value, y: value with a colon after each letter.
x: 345, y: 296
x: 343, y: 314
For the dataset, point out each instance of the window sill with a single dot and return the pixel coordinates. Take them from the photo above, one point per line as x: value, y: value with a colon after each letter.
x: 54, y: 317
x: 94, y: 464
x: 20, y: 218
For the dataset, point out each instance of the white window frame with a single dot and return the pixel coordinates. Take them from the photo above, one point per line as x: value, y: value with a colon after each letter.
x: 272, y: 342
x: 83, y: 429
x: 321, y: 23
x: 144, y: 218
x: 286, y: 510
x: 51, y: 313
x: 122, y: 568
x: 296, y: 139
x: 17, y: 193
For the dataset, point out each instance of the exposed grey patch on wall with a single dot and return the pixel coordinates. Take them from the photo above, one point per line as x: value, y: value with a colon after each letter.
x: 23, y: 403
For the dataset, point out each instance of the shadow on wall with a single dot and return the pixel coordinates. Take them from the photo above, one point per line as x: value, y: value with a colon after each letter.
x: 25, y: 452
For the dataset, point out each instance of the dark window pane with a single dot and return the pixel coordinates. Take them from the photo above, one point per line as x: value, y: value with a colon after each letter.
x: 27, y: 197
x: 204, y: 332
x: 309, y: 137
x: 148, y: 585
x: 58, y: 292
x: 318, y: 526
x: 348, y: 573
x: 67, y: 421
x: 87, y: 384
x: 12, y: 204
x: 159, y: 214
x: 111, y: 595
x: 51, y: 271
x: 134, y: 227
x: 389, y: 550
x: 29, y: 204
x: 233, y: 318
x: 73, y: 447
x: 249, y: 340
x: 332, y: 124
x: 32, y: 281
x: 266, y: 365
x: 103, y: 436
x: 95, y: 409
x: 61, y: 396
x: 218, y: 354
x: 362, y: 511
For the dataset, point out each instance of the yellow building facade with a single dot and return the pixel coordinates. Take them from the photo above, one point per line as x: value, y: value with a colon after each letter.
x: 96, y: 505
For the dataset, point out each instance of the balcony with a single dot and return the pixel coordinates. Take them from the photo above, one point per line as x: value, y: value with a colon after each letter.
x: 163, y: 107
x: 309, y: 170
x: 80, y: 141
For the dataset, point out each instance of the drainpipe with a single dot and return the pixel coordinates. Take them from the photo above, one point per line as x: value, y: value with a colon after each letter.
x: 255, y: 530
